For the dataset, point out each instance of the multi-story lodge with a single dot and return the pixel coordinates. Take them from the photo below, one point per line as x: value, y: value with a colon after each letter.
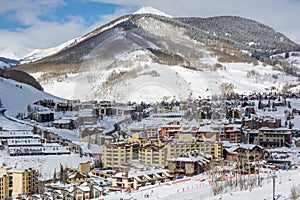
x: 154, y: 151
x: 257, y: 123
x: 274, y: 137
x: 15, y: 182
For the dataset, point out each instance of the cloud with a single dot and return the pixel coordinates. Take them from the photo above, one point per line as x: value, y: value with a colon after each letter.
x: 43, y: 34
x: 28, y: 11
x: 37, y: 33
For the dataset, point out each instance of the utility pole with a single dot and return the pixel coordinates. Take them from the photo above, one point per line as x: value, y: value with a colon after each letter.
x: 274, y: 176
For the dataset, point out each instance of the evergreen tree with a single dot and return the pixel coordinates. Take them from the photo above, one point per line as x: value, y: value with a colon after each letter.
x: 54, y: 176
x: 62, y: 174
x: 29, y: 109
x: 287, y: 55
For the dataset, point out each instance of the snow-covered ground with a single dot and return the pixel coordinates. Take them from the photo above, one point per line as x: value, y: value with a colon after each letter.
x: 151, y: 10
x: 16, y: 96
x: 157, y: 81
x: 36, y: 54
x: 199, y: 187
x: 44, y: 164
x: 137, y: 77
x: 6, y: 124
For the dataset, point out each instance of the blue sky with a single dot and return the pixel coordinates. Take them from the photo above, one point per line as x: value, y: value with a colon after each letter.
x: 48, y: 23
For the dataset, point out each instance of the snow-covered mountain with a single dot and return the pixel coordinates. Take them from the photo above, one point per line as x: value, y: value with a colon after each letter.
x: 8, y: 63
x: 37, y: 54
x: 26, y: 55
x: 150, y: 57
x: 11, y: 56
x: 16, y: 96
x: 151, y: 10
x: 14, y: 52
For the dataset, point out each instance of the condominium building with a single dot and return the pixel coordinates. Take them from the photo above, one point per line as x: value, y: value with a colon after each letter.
x: 155, y: 151
x: 3, y: 186
x: 16, y: 182
x: 116, y: 154
x: 274, y: 137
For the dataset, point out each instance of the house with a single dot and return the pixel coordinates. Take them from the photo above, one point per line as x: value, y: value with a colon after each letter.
x: 86, y: 190
x: 189, y: 164
x: 64, y: 106
x: 48, y: 103
x: 82, y: 192
x: 122, y: 110
x: 64, y: 123
x: 76, y: 177
x: 96, y: 191
x: 135, y: 178
x: 42, y: 116
x: 89, y: 130
x: 86, y: 116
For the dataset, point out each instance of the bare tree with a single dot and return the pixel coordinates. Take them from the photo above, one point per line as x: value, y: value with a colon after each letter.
x: 295, y: 193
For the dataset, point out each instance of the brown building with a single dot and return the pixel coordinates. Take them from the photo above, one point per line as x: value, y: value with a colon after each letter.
x: 243, y: 152
x: 42, y: 116
x: 172, y: 129
x: 189, y: 164
x: 257, y: 123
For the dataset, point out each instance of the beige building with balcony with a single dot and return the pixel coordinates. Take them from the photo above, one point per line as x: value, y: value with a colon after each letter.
x: 154, y: 151
x: 16, y: 182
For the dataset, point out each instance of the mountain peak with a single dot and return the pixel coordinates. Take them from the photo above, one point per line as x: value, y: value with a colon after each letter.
x: 151, y: 10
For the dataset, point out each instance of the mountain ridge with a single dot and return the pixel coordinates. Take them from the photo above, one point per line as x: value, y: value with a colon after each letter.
x: 142, y: 45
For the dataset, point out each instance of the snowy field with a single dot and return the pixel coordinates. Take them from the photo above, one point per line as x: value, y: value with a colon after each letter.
x: 46, y: 165
x: 16, y: 96
x: 195, y: 188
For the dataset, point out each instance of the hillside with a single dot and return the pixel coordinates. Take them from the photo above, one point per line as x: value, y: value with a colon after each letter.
x: 153, y: 54
x: 16, y: 96
x: 244, y: 34
x: 21, y: 77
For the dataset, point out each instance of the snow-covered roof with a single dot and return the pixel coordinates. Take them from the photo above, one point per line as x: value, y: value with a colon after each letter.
x: 123, y: 108
x: 98, y: 188
x: 70, y: 135
x: 83, y: 188
x: 40, y: 149
x: 232, y: 147
x: 134, y: 173
x: 17, y: 170
x: 24, y: 142
x: 86, y: 113
x: 18, y: 133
